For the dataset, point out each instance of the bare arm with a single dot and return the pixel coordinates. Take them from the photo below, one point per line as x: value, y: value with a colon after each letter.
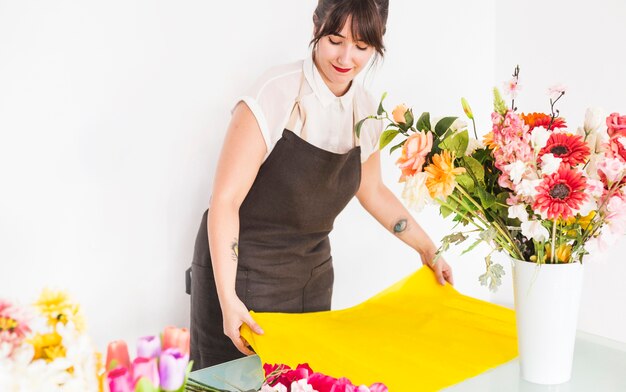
x: 385, y: 207
x: 238, y: 165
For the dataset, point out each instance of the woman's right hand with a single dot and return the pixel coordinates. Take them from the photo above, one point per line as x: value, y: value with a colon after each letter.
x: 235, y: 314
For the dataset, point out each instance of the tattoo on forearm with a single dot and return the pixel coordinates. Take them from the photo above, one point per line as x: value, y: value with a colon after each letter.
x: 400, y: 226
x: 234, y: 247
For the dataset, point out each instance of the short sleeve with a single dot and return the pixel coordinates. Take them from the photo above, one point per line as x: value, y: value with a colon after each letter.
x: 270, y: 100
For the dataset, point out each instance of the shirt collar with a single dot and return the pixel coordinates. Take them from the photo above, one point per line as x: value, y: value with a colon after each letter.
x: 319, y: 87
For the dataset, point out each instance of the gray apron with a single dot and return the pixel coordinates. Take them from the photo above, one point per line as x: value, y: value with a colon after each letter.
x: 285, y: 263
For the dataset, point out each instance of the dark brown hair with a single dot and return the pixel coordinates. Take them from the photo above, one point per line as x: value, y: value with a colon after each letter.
x: 369, y: 20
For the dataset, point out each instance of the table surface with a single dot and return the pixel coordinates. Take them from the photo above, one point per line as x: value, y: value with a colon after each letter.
x: 599, y: 366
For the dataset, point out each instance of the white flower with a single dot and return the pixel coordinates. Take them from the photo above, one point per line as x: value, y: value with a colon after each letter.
x: 527, y: 188
x: 534, y: 229
x: 518, y: 211
x: 301, y: 386
x: 588, y: 206
x: 473, y: 145
x: 550, y: 164
x: 591, y: 170
x: 594, y: 119
x: 555, y: 91
x: 415, y: 193
x: 276, y: 388
x: 516, y: 171
x: 539, y: 137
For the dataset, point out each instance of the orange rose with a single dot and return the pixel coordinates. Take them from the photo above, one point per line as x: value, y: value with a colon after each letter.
x: 414, y: 152
x: 398, y: 113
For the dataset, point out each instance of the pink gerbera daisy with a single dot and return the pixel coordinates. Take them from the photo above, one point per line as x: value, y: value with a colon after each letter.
x: 561, y: 193
x: 572, y: 149
x: 13, y: 324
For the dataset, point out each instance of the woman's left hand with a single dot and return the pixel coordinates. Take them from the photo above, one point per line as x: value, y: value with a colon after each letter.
x: 442, y: 269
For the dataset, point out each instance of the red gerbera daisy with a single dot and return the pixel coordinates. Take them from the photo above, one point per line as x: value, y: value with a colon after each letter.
x: 542, y: 120
x: 572, y: 149
x: 561, y: 193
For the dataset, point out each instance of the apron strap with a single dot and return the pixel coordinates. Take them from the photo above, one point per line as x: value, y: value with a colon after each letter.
x: 296, y: 111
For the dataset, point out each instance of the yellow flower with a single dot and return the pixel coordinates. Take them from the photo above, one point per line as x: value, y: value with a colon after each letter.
x: 57, y: 307
x: 7, y: 324
x: 48, y: 346
x: 441, y: 175
x: 583, y: 221
x: 563, y: 253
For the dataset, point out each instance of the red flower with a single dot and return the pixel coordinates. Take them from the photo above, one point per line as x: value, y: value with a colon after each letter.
x: 285, y: 375
x: 534, y: 120
x: 561, y: 193
x: 572, y: 149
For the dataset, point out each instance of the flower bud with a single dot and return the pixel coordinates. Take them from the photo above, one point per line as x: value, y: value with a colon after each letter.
x: 398, y: 113
x: 467, y: 109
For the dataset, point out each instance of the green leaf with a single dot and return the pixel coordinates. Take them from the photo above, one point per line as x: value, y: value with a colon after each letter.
x: 443, y: 125
x: 487, y: 200
x: 387, y: 137
x: 399, y: 145
x: 465, y: 181
x: 445, y: 211
x: 381, y: 110
x: 408, y: 118
x: 113, y: 364
x: 423, y: 123
x: 456, y: 143
x: 357, y: 127
x: 144, y: 385
x: 471, y: 247
x: 475, y: 168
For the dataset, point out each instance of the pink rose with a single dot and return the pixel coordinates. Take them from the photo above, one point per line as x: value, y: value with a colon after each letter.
x: 616, y: 124
x: 414, y: 152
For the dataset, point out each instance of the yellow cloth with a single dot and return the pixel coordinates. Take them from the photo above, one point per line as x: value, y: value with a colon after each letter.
x: 414, y: 336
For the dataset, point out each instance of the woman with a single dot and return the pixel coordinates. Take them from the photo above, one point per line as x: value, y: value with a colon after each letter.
x: 290, y: 163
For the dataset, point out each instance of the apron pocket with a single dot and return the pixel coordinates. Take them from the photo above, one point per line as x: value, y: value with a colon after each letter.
x: 318, y: 291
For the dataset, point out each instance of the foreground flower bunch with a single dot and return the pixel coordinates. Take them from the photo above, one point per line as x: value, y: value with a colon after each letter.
x: 162, y: 363
x: 281, y: 378
x: 44, y: 347
x: 533, y: 187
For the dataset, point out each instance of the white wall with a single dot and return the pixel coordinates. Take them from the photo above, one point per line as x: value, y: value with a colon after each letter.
x: 112, y: 115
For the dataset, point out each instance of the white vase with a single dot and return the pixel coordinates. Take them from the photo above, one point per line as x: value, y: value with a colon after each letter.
x: 547, y: 299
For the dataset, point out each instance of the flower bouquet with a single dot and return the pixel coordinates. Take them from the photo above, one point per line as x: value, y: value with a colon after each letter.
x: 162, y: 363
x: 543, y: 193
x: 45, y: 348
x: 532, y: 187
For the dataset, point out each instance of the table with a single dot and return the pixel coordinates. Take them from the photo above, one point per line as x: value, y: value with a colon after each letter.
x: 599, y: 366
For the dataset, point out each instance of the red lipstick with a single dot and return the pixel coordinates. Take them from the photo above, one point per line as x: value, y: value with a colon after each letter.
x: 342, y: 70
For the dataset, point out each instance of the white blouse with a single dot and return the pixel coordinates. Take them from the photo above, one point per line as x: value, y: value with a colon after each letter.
x: 329, y: 119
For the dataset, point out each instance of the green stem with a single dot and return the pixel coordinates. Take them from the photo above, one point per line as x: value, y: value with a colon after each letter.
x: 553, y: 254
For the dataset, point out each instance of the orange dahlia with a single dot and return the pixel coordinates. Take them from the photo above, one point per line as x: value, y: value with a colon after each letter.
x: 561, y: 193
x: 572, y: 149
x: 441, y: 175
x: 542, y: 120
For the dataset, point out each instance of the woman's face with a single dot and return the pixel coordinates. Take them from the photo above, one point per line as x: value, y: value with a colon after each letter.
x: 339, y: 58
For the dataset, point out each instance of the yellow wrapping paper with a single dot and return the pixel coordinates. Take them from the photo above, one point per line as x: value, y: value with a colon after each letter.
x: 414, y: 336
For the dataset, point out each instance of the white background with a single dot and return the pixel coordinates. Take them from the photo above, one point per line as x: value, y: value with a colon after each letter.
x: 112, y: 114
